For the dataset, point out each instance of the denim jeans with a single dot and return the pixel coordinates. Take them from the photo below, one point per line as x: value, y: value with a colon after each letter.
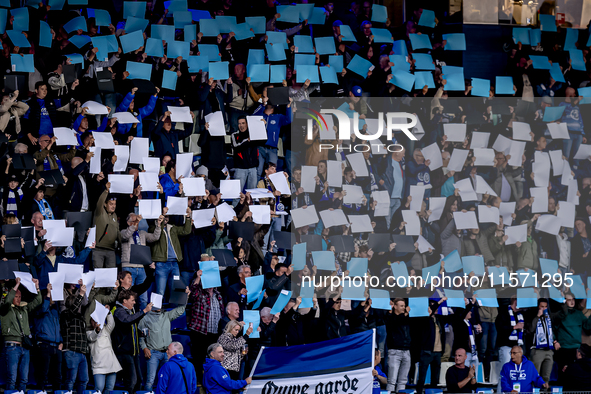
x: 381, y: 339
x: 48, y: 365
x: 77, y: 370
x: 138, y: 276
x: 266, y: 155
x: 165, y: 271
x: 571, y: 146
x: 17, y: 365
x: 105, y: 383
x: 398, y: 367
x: 153, y: 365
x: 488, y: 344
x: 247, y: 177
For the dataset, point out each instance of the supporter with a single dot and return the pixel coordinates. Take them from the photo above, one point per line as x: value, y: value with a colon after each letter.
x: 104, y: 363
x: 107, y: 230
x: 542, y: 354
x: 398, y: 342
x: 158, y: 325
x: 169, y: 380
x: 459, y: 378
x: 217, y: 379
x: 235, y: 346
x: 14, y: 319
x: 577, y: 373
x: 519, y: 375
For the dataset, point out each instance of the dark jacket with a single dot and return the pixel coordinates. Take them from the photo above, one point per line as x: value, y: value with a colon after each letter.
x: 578, y: 376
x: 398, y: 331
x: 168, y: 142
x: 334, y: 321
x: 34, y: 115
x: 125, y: 336
x: 46, y: 324
x: 246, y: 152
x: 273, y: 285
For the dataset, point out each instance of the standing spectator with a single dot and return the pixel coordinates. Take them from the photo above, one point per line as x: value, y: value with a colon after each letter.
x: 510, y: 325
x: 233, y: 344
x: 154, y: 345
x: 170, y: 380
x: 42, y: 115
x: 398, y: 342
x: 16, y: 333
x: 568, y: 324
x: 392, y: 179
x: 167, y: 252
x: 125, y: 338
x: 132, y: 235
x: 128, y: 105
x: 48, y: 352
x: 104, y: 362
x: 75, y: 343
x: 207, y: 308
x: 107, y: 230
x: 542, y: 351
x: 246, y: 159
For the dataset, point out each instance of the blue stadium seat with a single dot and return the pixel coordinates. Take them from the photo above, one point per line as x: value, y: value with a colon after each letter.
x: 485, y: 390
x: 433, y: 391
x: 408, y: 391
x: 142, y: 392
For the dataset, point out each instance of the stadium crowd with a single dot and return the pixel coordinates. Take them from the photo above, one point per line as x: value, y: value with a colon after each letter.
x: 159, y: 176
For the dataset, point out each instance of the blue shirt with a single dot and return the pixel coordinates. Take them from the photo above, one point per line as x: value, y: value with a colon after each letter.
x: 45, y: 126
x: 376, y: 383
x: 397, y: 175
x: 171, y: 254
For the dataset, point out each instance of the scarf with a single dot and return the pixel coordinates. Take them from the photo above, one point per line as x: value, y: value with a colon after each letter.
x: 136, y: 237
x: 472, y: 342
x: 45, y: 209
x: 544, y: 333
x: 11, y: 201
x: 279, y: 207
x: 47, y: 163
x: 516, y: 335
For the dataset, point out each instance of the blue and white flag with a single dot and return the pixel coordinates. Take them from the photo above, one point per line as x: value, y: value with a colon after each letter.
x: 342, y: 365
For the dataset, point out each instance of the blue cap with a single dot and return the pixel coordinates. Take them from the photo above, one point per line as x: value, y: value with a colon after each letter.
x: 336, y: 23
x: 357, y: 91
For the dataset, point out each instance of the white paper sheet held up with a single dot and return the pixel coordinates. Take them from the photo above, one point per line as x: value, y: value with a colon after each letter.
x: 516, y: 234
x: 58, y: 223
x: 180, y: 114
x: 72, y: 272
x: 177, y: 205
x: 354, y: 194
x: 433, y: 153
x: 304, y: 216
x: 156, y: 300
x: 506, y: 210
x: 308, y: 181
x: 193, y: 187
x: 566, y: 213
x: 548, y: 224
x: 88, y: 281
x: 417, y: 192
x: 57, y: 280
x: 95, y: 161
x: 488, y: 215
x: 149, y: 181
x: 482, y: 187
x: 94, y: 108
x: 558, y: 131
x: 540, y: 195
x: 65, y: 136
x: 125, y: 118
x: 216, y: 125
x: 484, y: 157
x: 184, y: 162
x: 261, y: 214
x: 457, y: 160
x: 122, y: 153
x: 413, y: 223
x: 150, y: 209
x: 257, y: 128
x: 100, y: 313
x: 229, y: 188
x: 151, y: 164
x: 358, y: 165
x: 335, y: 173
x: 279, y: 180
x: 465, y: 220
x: 60, y: 236
x: 521, y: 131
x: 516, y: 152
x: 502, y: 144
x: 436, y: 206
x: 332, y: 218
x: 140, y: 149
x: 224, y: 213
x: 202, y: 217
x: 479, y: 140
x: 455, y: 132
x: 122, y: 184
x: 467, y: 192
x: 360, y: 223
x: 26, y: 280
x: 91, y: 237
x: 424, y: 245
x: 103, y: 140
x: 105, y: 277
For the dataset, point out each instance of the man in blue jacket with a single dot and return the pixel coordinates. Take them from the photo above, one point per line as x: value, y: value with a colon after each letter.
x: 178, y: 374
x: 216, y: 379
x: 520, y: 375
x: 128, y: 105
x: 273, y: 122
